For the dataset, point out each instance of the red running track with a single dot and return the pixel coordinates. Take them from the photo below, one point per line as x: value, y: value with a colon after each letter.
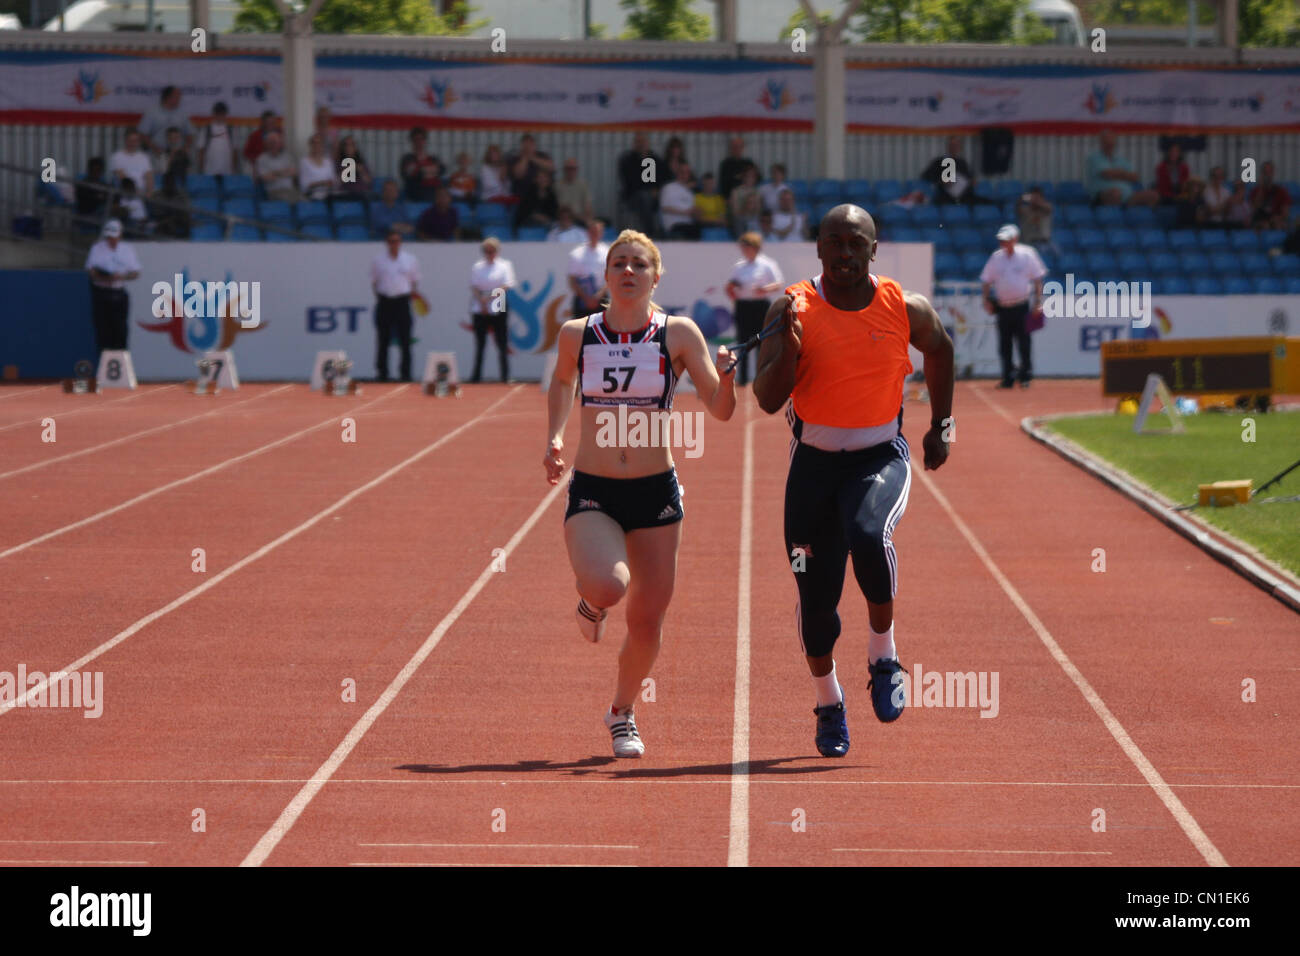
x: 475, y: 733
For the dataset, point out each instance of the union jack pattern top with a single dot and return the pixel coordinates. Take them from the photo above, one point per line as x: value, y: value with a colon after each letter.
x: 627, y: 368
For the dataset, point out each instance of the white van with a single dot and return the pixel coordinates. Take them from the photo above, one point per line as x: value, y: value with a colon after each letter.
x: 1063, y: 19
x: 169, y: 16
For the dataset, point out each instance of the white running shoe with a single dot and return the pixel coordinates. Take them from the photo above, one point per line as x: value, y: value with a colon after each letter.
x: 591, y: 621
x: 622, y: 728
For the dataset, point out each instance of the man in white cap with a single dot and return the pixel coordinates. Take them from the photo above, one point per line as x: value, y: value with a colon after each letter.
x: 111, y: 264
x: 1013, y: 284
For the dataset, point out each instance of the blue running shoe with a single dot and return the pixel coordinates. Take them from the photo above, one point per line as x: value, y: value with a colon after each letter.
x: 832, y: 729
x: 887, y: 689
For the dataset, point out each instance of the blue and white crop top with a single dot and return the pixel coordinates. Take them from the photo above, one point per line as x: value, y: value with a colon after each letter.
x: 627, y: 368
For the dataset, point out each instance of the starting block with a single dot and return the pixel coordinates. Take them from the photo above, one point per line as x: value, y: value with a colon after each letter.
x: 440, y: 376
x: 83, y: 381
x: 115, y: 370
x: 332, y: 373
x: 1222, y: 494
x: 216, y: 371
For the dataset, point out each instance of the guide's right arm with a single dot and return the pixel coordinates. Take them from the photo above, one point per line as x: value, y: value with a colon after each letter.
x: 777, y: 356
x: 559, y: 400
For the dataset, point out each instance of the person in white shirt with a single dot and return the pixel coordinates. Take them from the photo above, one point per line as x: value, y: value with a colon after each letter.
x: 753, y: 280
x: 489, y: 280
x: 587, y: 271
x: 1216, y: 197
x: 771, y: 190
x: 394, y: 277
x: 1013, y: 283
x: 217, y: 154
x: 275, y: 169
x: 154, y: 124
x: 565, y: 229
x: 130, y: 162
x: 677, y: 206
x: 316, y: 173
x: 111, y: 264
x: 787, y: 221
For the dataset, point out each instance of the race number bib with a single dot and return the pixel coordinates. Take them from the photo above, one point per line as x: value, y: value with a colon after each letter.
x: 626, y: 374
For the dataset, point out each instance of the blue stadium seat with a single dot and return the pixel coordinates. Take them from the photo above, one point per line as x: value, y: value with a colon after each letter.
x: 984, y: 215
x: 1238, y: 285
x: 892, y: 215
x: 1101, y: 263
x: 531, y: 233
x: 274, y: 210
x: 947, y: 265
x: 1243, y: 240
x: 1133, y: 264
x: 318, y: 230
x: 1206, y: 285
x: 312, y: 211
x: 913, y: 185
x: 887, y: 190
x: 241, y: 232
x: 1072, y: 262
x: 821, y: 209
x: 1291, y: 285
x: 1008, y: 190
x: 240, y: 206
x: 972, y: 263
x: 238, y: 187
x: 353, y: 232
x: 802, y: 191
x: 464, y: 213
x: 1193, y: 263
x: 967, y: 237
x: 1121, y: 238
x: 1070, y: 192
x: 349, y: 210
x: 1268, y: 285
x: 1064, y: 238
x: 925, y: 216
x: 197, y: 184
x: 208, y: 231
x: 1181, y: 239
x: 1162, y: 260
x: 1272, y: 238
x: 713, y: 234
x: 858, y: 191
x: 1166, y: 216
x: 414, y: 210
x: 1077, y: 215
x: 276, y: 236
x: 1139, y: 216
x: 1224, y: 263
x: 1086, y: 239
x: 206, y: 203
x: 1256, y: 263
x: 942, y: 238
x: 1152, y: 238
x: 1284, y: 266
x: 1175, y: 285
x: 827, y: 190
x: 1293, y: 188
x: 904, y: 234
x: 1213, y: 239
x: 1109, y: 215
x: 498, y: 231
x: 488, y: 213
x: 954, y: 215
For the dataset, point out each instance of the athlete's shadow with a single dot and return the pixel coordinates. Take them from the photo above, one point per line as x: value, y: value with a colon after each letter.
x: 590, y: 765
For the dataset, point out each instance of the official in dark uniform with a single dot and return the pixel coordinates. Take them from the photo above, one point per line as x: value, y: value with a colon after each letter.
x: 111, y: 263
x: 394, y: 276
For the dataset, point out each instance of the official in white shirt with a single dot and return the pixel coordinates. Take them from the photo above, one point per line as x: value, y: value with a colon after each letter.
x: 111, y: 264
x: 754, y: 278
x: 587, y: 271
x: 488, y: 281
x: 1013, y: 284
x: 394, y: 275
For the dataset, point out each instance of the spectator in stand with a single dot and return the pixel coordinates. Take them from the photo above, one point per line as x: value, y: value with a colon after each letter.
x: 1239, y: 212
x: 317, y: 174
x: 255, y: 145
x: 954, y: 182
x: 155, y: 123
x: 765, y: 227
x: 131, y: 209
x: 172, y: 214
x: 1270, y: 203
x: 91, y: 201
x: 440, y: 220
x: 710, y: 207
x: 587, y: 271
x: 638, y: 188
x: 1034, y: 213
x: 573, y: 191
x: 788, y: 223
x: 216, y: 145
x: 389, y: 214
x: 276, y: 169
x: 746, y: 203
x: 421, y: 170
x: 1190, y: 203
x: 493, y: 178
x: 732, y: 168
x: 916, y: 197
x: 325, y: 127
x: 677, y: 206
x: 173, y: 153
x: 1214, y: 201
x: 526, y: 164
x: 130, y: 162
x: 771, y: 190
x: 674, y: 156
x: 360, y: 179
x: 538, y: 205
x: 1171, y: 176
x: 461, y: 183
x: 754, y: 280
x: 565, y: 229
x: 1110, y: 179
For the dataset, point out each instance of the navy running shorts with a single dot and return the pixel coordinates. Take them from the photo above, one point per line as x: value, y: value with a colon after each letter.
x: 648, y: 502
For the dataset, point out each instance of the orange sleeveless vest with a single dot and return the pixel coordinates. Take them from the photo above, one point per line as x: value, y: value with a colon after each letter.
x: 851, y: 365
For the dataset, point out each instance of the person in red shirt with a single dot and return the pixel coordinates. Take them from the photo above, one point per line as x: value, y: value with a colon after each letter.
x: 1269, y: 202
x: 255, y: 145
x: 1172, y: 175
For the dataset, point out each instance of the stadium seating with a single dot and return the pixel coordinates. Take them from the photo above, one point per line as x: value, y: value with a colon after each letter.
x: 856, y: 191
x: 1206, y: 285
x: 1133, y: 264
x: 954, y: 215
x: 1091, y: 239
x: 531, y: 233
x: 208, y: 231
x: 317, y: 230
x: 1101, y: 263
x: 1152, y: 238
x: 240, y: 206
x: 1121, y: 238
x: 827, y: 190
x: 1070, y: 192
x: 197, y: 184
x: 1256, y: 263
x: 1193, y: 263
x: 967, y: 237
x: 311, y: 212
x: 241, y: 232
x: 1291, y: 285
x: 1077, y: 215
x: 1243, y: 240
x: 1268, y: 285
x: 1272, y: 238
x: 1238, y: 285
x: 238, y: 187
x: 1139, y: 216
x: 972, y: 263
x: 1181, y: 240
x: 349, y: 211
x: 986, y: 215
x: 947, y: 265
x: 1175, y: 285
x: 353, y: 232
x: 1213, y: 239
x: 1225, y: 263
x: 925, y: 216
x: 887, y: 190
x: 1162, y: 261
x: 1288, y: 265
x: 709, y: 234
x: 1108, y: 215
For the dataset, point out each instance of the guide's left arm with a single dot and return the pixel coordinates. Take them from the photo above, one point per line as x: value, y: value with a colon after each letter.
x: 715, y: 386
x: 931, y: 339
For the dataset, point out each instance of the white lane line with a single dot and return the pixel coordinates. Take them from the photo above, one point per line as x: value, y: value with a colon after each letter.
x: 35, y: 422
x: 603, y: 865
x: 521, y: 846
x: 75, y: 862
x: 86, y: 842
x: 134, y: 435
x: 738, y: 832
x: 289, y: 816
x: 20, y: 391
x: 854, y: 849
x: 437, y: 780
x: 247, y: 560
x: 1001, y: 412
x: 211, y: 469
x: 1152, y: 776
